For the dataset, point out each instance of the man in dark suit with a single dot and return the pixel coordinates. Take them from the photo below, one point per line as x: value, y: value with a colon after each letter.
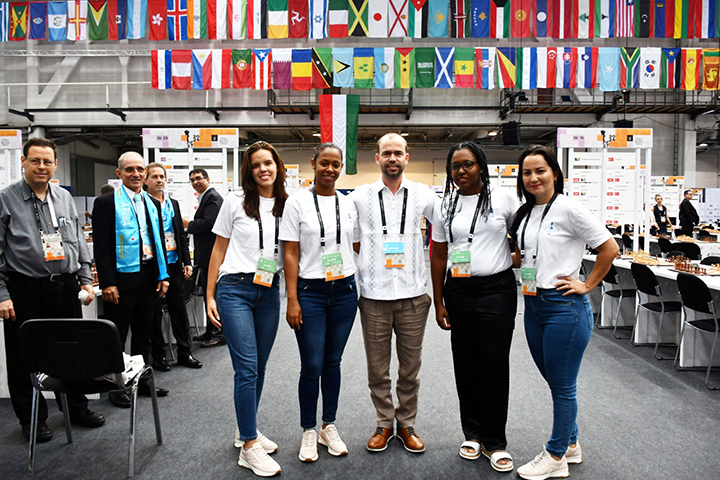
x: 204, y: 239
x: 688, y: 215
x: 130, y: 259
x: 179, y: 269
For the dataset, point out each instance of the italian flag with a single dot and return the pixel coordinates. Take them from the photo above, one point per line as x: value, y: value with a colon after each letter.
x: 339, y: 125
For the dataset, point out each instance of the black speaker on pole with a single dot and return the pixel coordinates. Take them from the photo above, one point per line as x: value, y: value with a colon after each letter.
x: 511, y: 133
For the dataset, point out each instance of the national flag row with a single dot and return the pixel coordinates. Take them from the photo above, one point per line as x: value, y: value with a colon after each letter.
x: 180, y: 20
x: 606, y: 68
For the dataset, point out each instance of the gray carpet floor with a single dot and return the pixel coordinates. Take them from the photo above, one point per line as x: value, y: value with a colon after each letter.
x: 638, y: 418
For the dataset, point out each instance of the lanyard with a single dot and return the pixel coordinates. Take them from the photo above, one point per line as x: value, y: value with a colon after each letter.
x: 472, y: 225
x: 260, y: 229
x: 50, y: 207
x: 382, y: 213
x: 320, y: 220
x: 527, y: 219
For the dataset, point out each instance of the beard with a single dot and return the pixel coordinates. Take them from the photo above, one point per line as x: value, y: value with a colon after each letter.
x: 396, y: 174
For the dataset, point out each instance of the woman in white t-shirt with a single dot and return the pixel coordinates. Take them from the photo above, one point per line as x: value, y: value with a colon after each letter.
x: 476, y: 298
x: 551, y: 231
x: 243, y: 290
x: 317, y: 233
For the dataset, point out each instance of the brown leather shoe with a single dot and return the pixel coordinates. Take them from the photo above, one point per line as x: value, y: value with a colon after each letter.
x: 379, y: 441
x: 411, y: 440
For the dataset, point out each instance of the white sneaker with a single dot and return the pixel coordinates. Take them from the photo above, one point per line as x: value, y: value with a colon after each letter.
x: 544, y: 466
x: 308, y: 448
x: 574, y: 455
x: 330, y: 437
x: 256, y: 459
x: 268, y: 445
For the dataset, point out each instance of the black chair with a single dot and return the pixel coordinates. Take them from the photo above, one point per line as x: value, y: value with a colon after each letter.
x: 665, y: 245
x: 628, y: 243
x: 69, y: 356
x: 691, y: 250
x: 703, y: 234
x: 678, y: 232
x: 675, y: 254
x: 696, y: 296
x: 611, y: 287
x: 647, y: 285
x: 710, y: 260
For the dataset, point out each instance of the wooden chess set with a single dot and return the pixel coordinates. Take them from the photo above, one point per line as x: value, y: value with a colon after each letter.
x: 645, y: 258
x: 686, y: 266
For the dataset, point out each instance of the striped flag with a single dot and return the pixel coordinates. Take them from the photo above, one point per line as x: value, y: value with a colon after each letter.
x: 322, y: 68
x: 136, y: 19
x: 161, y: 61
x: 562, y: 18
x: 318, y: 18
x: 527, y: 68
x: 242, y: 75
x: 117, y: 19
x: 585, y: 15
x: 690, y: 74
x: 298, y: 18
x: 4, y: 22
x: 404, y: 67
x: 181, y: 69
x: 237, y: 17
x: 339, y: 124
x: 604, y: 18
x: 624, y: 18
x: 587, y: 67
x: 566, y: 67
x: 57, y: 22
x: 384, y: 67
x: 499, y: 19
x: 669, y: 71
x: 663, y: 28
x: 221, y: 68
x: 547, y: 67
x: 485, y: 65
x: 277, y: 18
x: 197, y: 19
x: 645, y: 18
x: 650, y: 67
x: 681, y: 14
x: 338, y: 18
x: 459, y: 26
x: 363, y: 67
x: 301, y: 69
x: 707, y: 19
x: 217, y: 15
x: 711, y: 62
x: 257, y: 25
x: 464, y: 67
x: 418, y: 18
x: 262, y: 68
x: 282, y: 68
x: 506, y: 67
x: 629, y: 67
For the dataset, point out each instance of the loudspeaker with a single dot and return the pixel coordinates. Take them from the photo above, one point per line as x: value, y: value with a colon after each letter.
x: 623, y: 124
x: 511, y: 133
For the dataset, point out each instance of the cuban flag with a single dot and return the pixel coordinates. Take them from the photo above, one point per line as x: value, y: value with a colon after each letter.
x: 161, y: 69
x: 587, y: 58
x: 566, y: 67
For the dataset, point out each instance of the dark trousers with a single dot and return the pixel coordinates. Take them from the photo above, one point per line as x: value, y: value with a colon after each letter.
x: 34, y: 298
x: 209, y: 327
x: 482, y: 318
x: 175, y: 299
x: 687, y: 228
x: 135, y: 311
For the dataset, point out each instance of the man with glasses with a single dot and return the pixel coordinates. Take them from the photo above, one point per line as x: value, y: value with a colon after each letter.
x: 203, y: 239
x: 393, y: 289
x: 131, y: 262
x: 44, y: 265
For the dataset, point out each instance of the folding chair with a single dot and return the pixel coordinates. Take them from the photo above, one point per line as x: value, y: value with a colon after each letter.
x: 611, y: 287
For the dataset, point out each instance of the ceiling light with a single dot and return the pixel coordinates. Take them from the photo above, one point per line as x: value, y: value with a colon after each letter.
x: 703, y: 145
x: 404, y: 134
x: 316, y: 134
x: 492, y: 133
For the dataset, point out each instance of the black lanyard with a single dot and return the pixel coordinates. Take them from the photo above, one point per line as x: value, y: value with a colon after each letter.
x: 320, y: 220
x: 382, y: 213
x: 260, y: 229
x: 527, y: 219
x: 35, y: 201
x: 471, y: 234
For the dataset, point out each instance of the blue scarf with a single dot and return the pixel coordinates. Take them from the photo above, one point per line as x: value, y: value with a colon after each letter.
x: 127, y: 235
x: 168, y: 214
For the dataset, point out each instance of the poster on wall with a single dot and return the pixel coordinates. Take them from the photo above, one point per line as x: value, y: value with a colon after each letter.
x: 184, y: 138
x: 585, y: 180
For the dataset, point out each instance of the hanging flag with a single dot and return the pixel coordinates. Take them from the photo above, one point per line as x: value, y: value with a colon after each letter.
x: 424, y: 67
x: 358, y: 18
x: 57, y: 21
x: 506, y: 67
x: 464, y: 67
x: 161, y: 61
x: 539, y: 21
x: 237, y: 18
x: 706, y: 20
x: 242, y: 74
x: 378, y: 18
x: 298, y: 22
x: 301, y: 68
x: 398, y: 18
x: 444, y: 63
x: 418, y: 12
x: 318, y: 18
x: 711, y: 63
x: 277, y: 18
x: 500, y: 18
x: 438, y: 25
x: 624, y: 18
x: 587, y: 67
x: 629, y: 67
x: 459, y: 25
x: 19, y: 13
x: 609, y: 62
x: 77, y: 20
x: 217, y: 19
x: 343, y: 67
x: 678, y: 16
x: 4, y: 22
x: 404, y: 67
x: 566, y: 67
x: 262, y: 68
x: 157, y: 13
x: 384, y: 67
x: 197, y: 19
x: 257, y: 26
x: 177, y: 20
x: 547, y: 67
x: 38, y: 19
x: 520, y: 21
x: 690, y: 74
x: 201, y: 69
x: 485, y: 66
x: 322, y: 68
x: 661, y: 19
x: 562, y: 19
x: 644, y: 24
x: 282, y: 68
x: 605, y: 18
x: 221, y: 68
x: 363, y: 63
x: 649, y: 67
x: 585, y: 16
x: 181, y: 69
x: 669, y: 73
x: 339, y: 125
x: 527, y: 68
x: 338, y: 18
x: 137, y: 18
x: 117, y: 19
x: 479, y: 18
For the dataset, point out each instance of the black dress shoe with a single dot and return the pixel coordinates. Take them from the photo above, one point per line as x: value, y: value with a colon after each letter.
x: 161, y: 364
x: 213, y: 342
x: 87, y: 418
x: 189, y: 361
x: 203, y: 338
x: 44, y: 434
x: 120, y: 399
x: 144, y: 389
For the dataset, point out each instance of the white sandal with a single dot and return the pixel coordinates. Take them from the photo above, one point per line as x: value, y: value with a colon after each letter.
x: 496, y: 456
x: 470, y: 444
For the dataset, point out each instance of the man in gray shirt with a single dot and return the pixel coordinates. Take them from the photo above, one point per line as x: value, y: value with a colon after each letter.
x: 44, y: 264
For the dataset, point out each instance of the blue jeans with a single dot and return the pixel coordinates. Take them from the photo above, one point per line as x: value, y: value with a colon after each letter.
x: 328, y: 312
x: 558, y: 329
x: 249, y: 314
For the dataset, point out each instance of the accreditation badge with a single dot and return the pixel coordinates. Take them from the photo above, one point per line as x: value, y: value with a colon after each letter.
x: 52, y: 247
x: 529, y: 284
x: 170, y: 243
x: 460, y: 263
x: 333, y: 266
x: 265, y: 272
x: 394, y: 254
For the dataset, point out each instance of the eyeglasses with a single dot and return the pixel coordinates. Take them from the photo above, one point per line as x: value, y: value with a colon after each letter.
x: 37, y: 161
x: 134, y: 169
x: 467, y: 165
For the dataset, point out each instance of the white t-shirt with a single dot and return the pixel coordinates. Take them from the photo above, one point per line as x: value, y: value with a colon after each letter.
x: 243, y: 250
x: 300, y: 224
x: 565, y: 230
x: 489, y: 250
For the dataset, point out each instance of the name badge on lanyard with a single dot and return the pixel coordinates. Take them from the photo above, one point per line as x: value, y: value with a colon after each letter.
x: 460, y: 259
x: 394, y: 254
x: 528, y: 275
x: 52, y: 243
x: 332, y: 263
x: 333, y: 266
x: 529, y: 284
x: 460, y: 263
x: 266, y: 267
x: 170, y: 243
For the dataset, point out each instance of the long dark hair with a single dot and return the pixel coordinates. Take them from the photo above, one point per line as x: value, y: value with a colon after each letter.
x: 250, y: 189
x: 522, y: 192
x: 450, y: 187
